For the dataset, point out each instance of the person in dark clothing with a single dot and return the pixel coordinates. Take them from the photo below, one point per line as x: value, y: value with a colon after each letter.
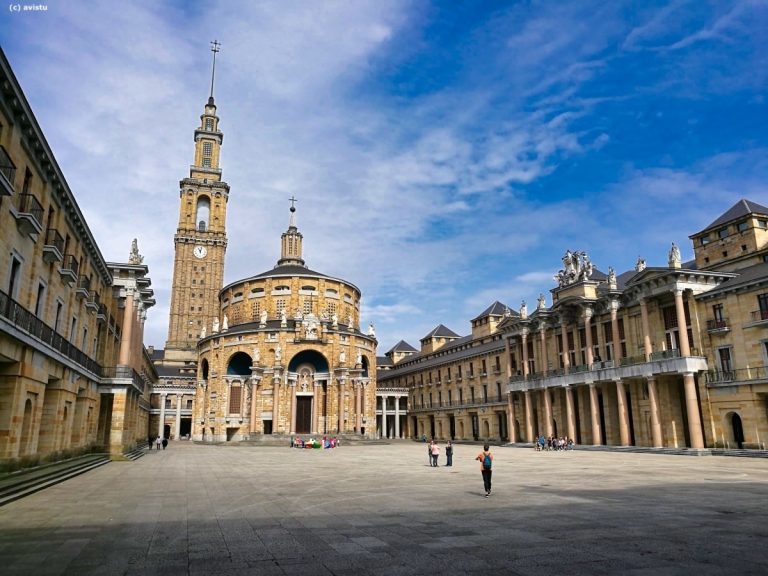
x: 165, y: 443
x: 449, y: 454
x: 486, y: 461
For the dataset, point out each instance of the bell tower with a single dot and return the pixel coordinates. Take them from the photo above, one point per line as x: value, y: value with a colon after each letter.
x: 200, y: 241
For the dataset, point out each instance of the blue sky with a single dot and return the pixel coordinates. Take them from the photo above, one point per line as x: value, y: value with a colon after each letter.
x: 445, y: 154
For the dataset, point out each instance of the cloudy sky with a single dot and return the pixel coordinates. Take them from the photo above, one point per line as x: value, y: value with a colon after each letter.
x: 444, y: 154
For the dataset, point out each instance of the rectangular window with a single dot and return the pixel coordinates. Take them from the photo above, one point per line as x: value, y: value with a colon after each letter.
x: 705, y: 240
x: 717, y: 312
x: 741, y: 226
x: 207, y: 148
x: 461, y: 396
x: 235, y: 395
x: 722, y: 233
x: 72, y: 328
x: 59, y: 309
x: 206, y: 162
x: 485, y: 370
x: 471, y: 369
x: 13, y: 280
x: 85, y: 340
x: 39, y: 304
x: 762, y: 223
x: 724, y: 359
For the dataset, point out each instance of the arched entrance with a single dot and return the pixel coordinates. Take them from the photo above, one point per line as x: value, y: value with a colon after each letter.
x: 26, y: 429
x: 737, y: 429
x: 310, y: 415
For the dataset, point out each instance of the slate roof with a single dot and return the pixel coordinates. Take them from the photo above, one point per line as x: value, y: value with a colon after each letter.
x: 495, y: 309
x: 290, y: 270
x: 402, y: 346
x: 383, y: 361
x: 741, y: 208
x: 449, y: 353
x: 441, y: 331
x: 746, y: 276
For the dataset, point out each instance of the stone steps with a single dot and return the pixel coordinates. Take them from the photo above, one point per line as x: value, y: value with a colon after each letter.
x: 25, y: 482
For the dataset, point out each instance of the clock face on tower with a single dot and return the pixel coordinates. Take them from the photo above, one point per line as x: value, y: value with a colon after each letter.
x: 200, y: 251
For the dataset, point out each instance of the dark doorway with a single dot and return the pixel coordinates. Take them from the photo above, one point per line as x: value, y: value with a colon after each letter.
x: 186, y: 427
x: 167, y: 431
x: 475, y: 427
x: 452, y: 426
x: 432, y: 427
x: 303, y: 414
x: 501, y: 421
x: 267, y: 426
x: 738, y: 430
x: 601, y: 407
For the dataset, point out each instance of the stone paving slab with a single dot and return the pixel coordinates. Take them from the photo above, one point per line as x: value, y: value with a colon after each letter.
x: 381, y: 510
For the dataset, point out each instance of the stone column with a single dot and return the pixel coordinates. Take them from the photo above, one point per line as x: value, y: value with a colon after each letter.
x: 384, y: 416
x: 569, y: 415
x: 692, y: 408
x: 341, y: 406
x: 594, y: 413
x: 508, y: 356
x: 397, y: 416
x: 588, y: 336
x: 524, y: 338
x: 623, y: 416
x: 511, y: 419
x: 528, y: 416
x: 653, y: 397
x: 317, y: 386
x: 254, y: 390
x: 615, y: 333
x: 127, y: 333
x: 564, y: 336
x: 275, y: 403
x: 543, y: 332
x: 161, y: 427
x: 358, y: 415
x: 685, y: 347
x: 647, y: 346
x: 292, y: 388
x: 177, y: 431
x: 547, y: 412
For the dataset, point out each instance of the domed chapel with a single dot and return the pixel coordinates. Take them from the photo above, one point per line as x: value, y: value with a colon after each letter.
x: 287, y: 356
x: 277, y: 353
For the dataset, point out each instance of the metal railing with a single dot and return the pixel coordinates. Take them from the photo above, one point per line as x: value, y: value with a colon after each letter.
x: 7, y: 168
x: 53, y: 238
x: 460, y: 403
x: 738, y: 375
x: 759, y: 315
x: 717, y: 324
x: 28, y: 204
x: 664, y: 355
x: 70, y: 263
x: 27, y: 322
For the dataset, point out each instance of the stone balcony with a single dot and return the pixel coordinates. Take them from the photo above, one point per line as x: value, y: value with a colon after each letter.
x: 669, y: 362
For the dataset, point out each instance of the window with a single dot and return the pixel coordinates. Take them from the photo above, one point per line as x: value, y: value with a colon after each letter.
x: 209, y: 124
x: 59, y: 308
x: 705, y: 240
x: 762, y: 302
x: 207, y: 148
x: 280, y: 306
x: 203, y: 213
x: 307, y: 306
x: 85, y: 339
x: 724, y: 359
x: 206, y: 162
x: 13, y: 280
x: 762, y: 223
x: 235, y: 395
x: 722, y: 233
x: 72, y: 328
x: 741, y: 226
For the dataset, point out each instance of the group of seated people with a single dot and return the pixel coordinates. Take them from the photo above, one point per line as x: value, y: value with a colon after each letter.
x: 326, y: 442
x: 552, y: 443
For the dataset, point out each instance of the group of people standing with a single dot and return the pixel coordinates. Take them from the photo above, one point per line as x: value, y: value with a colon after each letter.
x: 433, y: 453
x: 485, y: 458
x: 159, y: 442
x: 552, y: 443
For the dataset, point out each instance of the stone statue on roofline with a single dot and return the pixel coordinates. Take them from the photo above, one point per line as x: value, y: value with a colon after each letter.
x: 371, y: 330
x: 263, y: 318
x: 225, y: 324
x: 523, y: 310
x: 674, y: 256
x: 202, y: 332
x: 134, y: 257
x: 640, y: 265
x: 576, y: 267
x: 542, y: 302
x: 611, y: 277
x: 215, y: 328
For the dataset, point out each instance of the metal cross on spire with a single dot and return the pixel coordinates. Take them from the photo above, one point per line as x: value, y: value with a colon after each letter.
x: 293, y: 202
x: 215, y: 47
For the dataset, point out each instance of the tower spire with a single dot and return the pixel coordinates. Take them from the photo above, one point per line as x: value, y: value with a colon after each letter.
x: 291, y: 241
x: 215, y: 47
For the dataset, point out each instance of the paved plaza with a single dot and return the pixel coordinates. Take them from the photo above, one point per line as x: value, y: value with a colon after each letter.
x: 381, y: 509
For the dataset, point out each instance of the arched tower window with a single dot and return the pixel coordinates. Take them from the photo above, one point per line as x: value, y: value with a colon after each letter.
x: 203, y: 213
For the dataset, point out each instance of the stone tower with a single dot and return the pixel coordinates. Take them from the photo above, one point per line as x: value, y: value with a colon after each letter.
x: 200, y: 242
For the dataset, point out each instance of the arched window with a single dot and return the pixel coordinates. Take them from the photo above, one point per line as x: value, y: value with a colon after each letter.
x: 203, y: 213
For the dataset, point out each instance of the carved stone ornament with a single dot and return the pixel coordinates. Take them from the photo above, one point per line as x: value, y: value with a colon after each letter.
x: 577, y: 267
x: 134, y: 257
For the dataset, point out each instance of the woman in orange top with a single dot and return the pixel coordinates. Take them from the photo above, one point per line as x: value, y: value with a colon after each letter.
x: 486, y: 461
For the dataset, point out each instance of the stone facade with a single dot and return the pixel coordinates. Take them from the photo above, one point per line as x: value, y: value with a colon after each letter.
x: 72, y: 370
x: 608, y: 362
x: 287, y: 357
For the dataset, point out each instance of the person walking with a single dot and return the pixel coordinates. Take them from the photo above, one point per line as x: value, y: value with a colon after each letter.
x: 486, y: 462
x: 165, y: 443
x: 449, y: 454
x: 435, y: 453
x: 429, y: 451
x: 159, y: 442
x: 149, y: 442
